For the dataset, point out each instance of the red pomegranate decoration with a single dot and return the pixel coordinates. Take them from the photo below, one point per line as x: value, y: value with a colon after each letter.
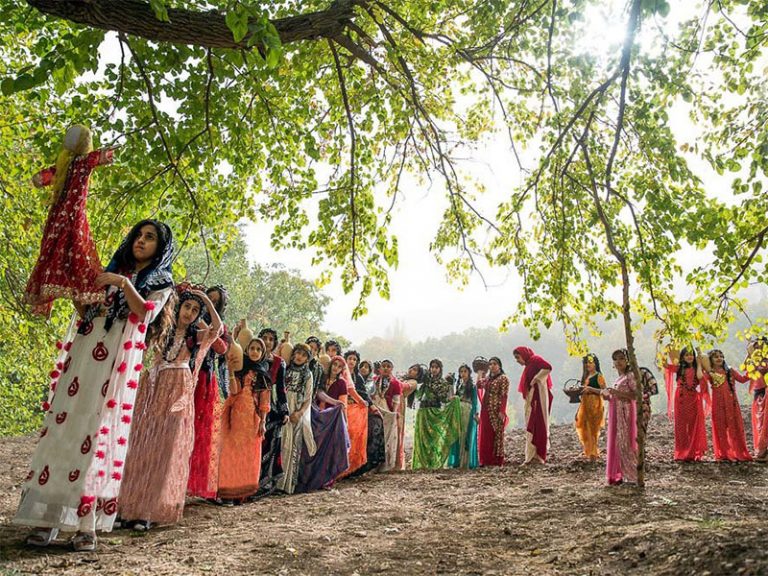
x: 74, y: 387
x: 44, y: 475
x: 85, y: 447
x: 74, y: 475
x: 60, y: 417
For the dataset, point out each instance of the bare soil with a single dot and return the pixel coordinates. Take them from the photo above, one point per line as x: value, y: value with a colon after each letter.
x: 699, y: 519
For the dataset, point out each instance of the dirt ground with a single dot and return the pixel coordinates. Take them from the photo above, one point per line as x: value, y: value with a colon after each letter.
x: 702, y: 519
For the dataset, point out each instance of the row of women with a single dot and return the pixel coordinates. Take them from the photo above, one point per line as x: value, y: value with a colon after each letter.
x: 697, y: 386
x: 287, y: 425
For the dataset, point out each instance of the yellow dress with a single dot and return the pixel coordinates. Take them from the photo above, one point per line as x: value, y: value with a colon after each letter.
x: 590, y: 417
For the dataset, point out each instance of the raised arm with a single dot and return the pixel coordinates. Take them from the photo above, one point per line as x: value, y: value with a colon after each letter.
x: 101, y: 157
x: 44, y: 177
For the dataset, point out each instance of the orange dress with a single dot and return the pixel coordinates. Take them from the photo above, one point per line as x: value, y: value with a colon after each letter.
x: 590, y: 418
x: 357, y: 425
x: 240, y: 459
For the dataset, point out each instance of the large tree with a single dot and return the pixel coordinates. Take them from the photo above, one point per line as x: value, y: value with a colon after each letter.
x: 308, y: 114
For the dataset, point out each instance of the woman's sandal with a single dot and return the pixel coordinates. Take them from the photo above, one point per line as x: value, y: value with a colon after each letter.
x: 84, y: 542
x: 41, y: 537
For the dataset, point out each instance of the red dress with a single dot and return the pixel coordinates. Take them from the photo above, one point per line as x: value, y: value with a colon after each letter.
x: 690, y: 427
x: 493, y: 420
x: 204, y: 462
x: 728, y: 437
x: 68, y: 263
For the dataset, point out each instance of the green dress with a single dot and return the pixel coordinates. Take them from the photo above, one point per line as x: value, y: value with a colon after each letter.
x: 438, y: 424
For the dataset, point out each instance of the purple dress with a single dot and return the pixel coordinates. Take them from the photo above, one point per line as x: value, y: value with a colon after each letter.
x: 332, y: 457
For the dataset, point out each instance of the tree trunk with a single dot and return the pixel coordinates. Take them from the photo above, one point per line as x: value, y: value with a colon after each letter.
x: 195, y: 28
x: 630, y: 338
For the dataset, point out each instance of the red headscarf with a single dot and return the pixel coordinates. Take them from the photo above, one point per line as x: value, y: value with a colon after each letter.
x: 533, y: 365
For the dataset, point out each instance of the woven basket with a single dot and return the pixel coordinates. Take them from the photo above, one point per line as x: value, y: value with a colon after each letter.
x: 572, y: 389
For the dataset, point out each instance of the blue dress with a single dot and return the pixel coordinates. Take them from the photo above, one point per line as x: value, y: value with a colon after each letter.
x: 464, y: 451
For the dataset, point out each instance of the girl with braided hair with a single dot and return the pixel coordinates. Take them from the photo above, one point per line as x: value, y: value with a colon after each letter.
x: 590, y: 417
x: 409, y: 385
x: 438, y: 420
x: 728, y: 438
x: 76, y: 470
x: 691, y: 405
x: 157, y: 468
x: 493, y: 415
x: 464, y: 452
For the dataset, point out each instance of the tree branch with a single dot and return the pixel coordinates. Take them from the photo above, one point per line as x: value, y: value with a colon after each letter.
x: 195, y: 28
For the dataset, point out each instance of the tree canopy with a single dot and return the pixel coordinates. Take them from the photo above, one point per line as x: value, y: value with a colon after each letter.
x: 308, y: 115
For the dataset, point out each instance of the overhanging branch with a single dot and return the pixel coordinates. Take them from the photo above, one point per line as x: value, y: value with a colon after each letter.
x: 195, y: 28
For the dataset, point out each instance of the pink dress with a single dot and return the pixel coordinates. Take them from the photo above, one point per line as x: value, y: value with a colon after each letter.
x: 621, y: 457
x: 68, y: 263
x: 157, y: 467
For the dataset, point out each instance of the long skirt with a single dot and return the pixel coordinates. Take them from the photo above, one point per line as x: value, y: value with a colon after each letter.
x: 590, y: 418
x: 157, y: 467
x: 728, y: 438
x: 271, y: 456
x: 204, y: 463
x: 436, y: 431
x: 376, y: 448
x: 621, y: 445
x: 391, y: 422
x: 537, y: 407
x: 357, y: 424
x: 690, y: 427
x: 240, y: 462
x: 329, y: 428
x: 400, y: 459
x: 77, y: 468
x: 759, y: 423
x: 464, y: 452
x: 294, y: 439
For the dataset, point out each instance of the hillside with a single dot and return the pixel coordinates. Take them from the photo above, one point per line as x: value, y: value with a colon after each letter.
x: 698, y: 519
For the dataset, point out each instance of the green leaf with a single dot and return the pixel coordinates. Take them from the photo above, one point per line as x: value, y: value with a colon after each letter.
x: 160, y: 10
x: 237, y: 21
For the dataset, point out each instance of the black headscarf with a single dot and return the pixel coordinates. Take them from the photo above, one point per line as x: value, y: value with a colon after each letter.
x: 156, y: 276
x: 261, y: 379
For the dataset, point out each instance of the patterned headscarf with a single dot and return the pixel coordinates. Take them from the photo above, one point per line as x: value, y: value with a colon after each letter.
x: 156, y: 276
